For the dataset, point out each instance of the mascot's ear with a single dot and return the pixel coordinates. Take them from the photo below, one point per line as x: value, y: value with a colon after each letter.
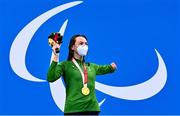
x: 60, y: 37
x: 51, y: 36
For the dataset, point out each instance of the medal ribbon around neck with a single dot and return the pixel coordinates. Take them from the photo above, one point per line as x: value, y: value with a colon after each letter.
x: 85, y: 89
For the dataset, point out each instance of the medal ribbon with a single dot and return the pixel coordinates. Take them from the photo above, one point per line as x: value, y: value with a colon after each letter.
x: 84, y: 75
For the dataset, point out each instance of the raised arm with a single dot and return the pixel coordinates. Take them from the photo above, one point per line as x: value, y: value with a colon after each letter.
x: 55, y: 71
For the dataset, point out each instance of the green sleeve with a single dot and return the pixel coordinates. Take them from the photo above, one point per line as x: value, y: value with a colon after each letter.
x: 55, y: 71
x: 103, y: 69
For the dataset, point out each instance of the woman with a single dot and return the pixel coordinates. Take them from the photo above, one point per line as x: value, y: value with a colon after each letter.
x: 79, y: 77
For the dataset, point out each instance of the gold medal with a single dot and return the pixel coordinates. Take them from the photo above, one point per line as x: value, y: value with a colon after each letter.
x: 85, y: 90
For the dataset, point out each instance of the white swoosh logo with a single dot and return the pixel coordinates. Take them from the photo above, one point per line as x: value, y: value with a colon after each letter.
x: 140, y: 91
x: 22, y: 40
x: 19, y: 47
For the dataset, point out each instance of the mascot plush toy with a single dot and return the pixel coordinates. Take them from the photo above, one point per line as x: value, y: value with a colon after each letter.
x: 54, y: 38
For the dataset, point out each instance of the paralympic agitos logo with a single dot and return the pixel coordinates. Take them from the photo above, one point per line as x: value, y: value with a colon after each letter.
x: 19, y: 47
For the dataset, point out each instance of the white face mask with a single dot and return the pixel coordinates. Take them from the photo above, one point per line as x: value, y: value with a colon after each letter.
x: 82, y: 50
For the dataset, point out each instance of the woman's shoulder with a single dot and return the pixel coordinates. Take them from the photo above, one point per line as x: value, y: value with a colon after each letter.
x: 64, y: 63
x: 92, y: 64
x: 68, y: 62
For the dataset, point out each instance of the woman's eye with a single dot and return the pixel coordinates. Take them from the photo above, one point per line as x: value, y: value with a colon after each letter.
x: 83, y: 43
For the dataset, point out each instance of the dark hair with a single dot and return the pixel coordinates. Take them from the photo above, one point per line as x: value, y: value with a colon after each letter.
x: 72, y: 42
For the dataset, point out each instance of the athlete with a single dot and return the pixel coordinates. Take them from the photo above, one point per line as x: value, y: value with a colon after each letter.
x: 79, y: 77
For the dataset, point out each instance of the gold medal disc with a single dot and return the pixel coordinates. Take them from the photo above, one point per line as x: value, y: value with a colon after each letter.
x: 85, y: 91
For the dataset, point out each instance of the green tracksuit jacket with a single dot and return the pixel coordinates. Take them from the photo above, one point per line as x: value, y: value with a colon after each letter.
x: 75, y: 100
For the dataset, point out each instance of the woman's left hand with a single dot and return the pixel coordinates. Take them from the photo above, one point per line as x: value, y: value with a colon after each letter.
x: 114, y: 65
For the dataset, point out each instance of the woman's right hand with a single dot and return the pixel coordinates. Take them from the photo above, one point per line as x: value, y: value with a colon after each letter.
x: 55, y: 47
x: 56, y: 55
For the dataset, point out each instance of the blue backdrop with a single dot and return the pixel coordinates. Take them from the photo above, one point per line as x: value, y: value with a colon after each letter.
x: 123, y: 31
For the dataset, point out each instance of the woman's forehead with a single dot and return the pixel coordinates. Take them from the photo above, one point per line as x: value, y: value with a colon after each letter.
x: 80, y: 39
